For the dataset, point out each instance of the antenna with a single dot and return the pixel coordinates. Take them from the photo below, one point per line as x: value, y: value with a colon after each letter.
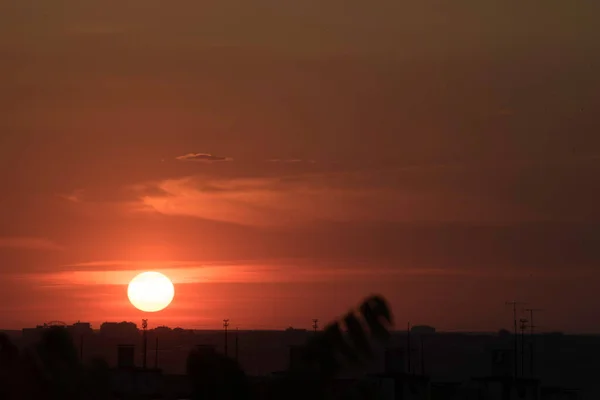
x: 81, y: 347
x: 156, y: 354
x: 225, y: 325
x: 145, y: 330
x: 514, y: 305
x: 408, y: 345
x: 523, y: 327
x: 422, y: 356
x: 531, y: 338
x: 315, y: 325
x: 236, y: 344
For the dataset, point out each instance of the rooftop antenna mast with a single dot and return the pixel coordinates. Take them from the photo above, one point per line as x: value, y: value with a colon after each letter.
x: 81, y: 347
x: 514, y: 304
x: 156, y: 354
x: 315, y: 325
x: 523, y: 326
x: 422, y: 356
x: 225, y: 325
x: 236, y: 344
x: 145, y: 330
x: 531, y: 338
x: 408, y: 350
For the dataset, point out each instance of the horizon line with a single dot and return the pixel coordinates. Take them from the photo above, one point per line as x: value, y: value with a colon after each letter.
x: 308, y: 330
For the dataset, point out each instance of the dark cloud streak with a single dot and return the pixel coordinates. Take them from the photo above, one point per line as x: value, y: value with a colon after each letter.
x: 202, y: 157
x: 290, y: 161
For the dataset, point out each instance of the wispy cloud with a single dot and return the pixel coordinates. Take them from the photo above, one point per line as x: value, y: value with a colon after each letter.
x: 202, y: 157
x: 294, y: 272
x: 291, y: 161
x: 96, y: 29
x: 505, y: 112
x: 133, y: 265
x: 75, y: 196
x: 243, y: 273
x: 310, y: 198
x: 30, y: 243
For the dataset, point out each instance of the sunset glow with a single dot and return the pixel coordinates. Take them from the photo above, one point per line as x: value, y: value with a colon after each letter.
x: 278, y: 162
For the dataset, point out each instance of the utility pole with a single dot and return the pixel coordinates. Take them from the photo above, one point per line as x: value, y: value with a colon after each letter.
x: 408, y: 350
x: 225, y: 325
x: 531, y: 339
x: 315, y: 325
x: 516, y: 335
x: 145, y: 330
x: 236, y: 344
x: 422, y: 356
x: 81, y: 347
x: 523, y: 327
x: 156, y: 354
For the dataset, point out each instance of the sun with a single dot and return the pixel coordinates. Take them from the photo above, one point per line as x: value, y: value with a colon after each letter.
x: 150, y: 291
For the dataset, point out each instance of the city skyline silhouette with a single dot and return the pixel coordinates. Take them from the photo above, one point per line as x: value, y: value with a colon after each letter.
x: 368, y: 354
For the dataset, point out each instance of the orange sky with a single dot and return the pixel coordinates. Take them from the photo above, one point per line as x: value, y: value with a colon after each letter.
x: 446, y: 157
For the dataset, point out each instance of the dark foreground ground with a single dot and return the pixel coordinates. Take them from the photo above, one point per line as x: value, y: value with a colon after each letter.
x: 559, y: 360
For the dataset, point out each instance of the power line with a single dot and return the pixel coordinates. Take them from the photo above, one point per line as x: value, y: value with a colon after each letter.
x: 315, y: 324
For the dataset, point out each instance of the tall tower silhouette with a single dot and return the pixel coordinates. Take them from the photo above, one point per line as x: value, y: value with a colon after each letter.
x: 225, y: 325
x: 531, y: 339
x: 145, y: 337
x: 237, y: 345
x: 523, y: 326
x: 516, y: 336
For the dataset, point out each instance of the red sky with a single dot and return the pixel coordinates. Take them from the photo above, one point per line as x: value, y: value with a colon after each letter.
x: 444, y: 156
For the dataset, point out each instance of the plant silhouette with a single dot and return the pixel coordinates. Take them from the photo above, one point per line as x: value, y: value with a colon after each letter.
x: 50, y: 370
x: 343, y: 343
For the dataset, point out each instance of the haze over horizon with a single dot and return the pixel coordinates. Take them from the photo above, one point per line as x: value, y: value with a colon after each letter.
x: 280, y: 161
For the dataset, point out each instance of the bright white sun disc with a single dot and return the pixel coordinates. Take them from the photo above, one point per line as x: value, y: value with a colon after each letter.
x: 150, y: 291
